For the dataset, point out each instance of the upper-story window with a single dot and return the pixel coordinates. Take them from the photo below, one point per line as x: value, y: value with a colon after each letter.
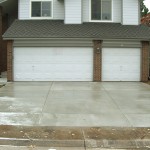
x: 41, y: 9
x: 101, y: 10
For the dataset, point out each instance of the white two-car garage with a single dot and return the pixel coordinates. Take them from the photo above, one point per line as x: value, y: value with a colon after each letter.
x: 53, y: 64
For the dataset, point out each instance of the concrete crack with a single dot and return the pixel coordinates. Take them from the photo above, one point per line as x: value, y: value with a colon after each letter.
x: 83, y: 138
x: 45, y: 102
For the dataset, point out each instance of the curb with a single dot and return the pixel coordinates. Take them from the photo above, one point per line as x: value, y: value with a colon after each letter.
x: 109, y: 144
x: 91, y: 137
x: 42, y: 142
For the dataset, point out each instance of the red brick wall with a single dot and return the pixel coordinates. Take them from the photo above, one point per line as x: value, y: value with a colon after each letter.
x: 9, y: 60
x: 145, y: 61
x: 3, y: 44
x: 97, y: 60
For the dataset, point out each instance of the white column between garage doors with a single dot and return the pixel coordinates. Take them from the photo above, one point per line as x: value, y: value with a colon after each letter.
x: 53, y: 64
x: 121, y: 64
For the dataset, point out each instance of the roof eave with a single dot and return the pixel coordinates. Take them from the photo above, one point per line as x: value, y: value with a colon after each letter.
x: 90, y: 38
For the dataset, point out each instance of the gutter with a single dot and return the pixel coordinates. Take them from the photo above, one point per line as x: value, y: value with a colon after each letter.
x: 131, y: 39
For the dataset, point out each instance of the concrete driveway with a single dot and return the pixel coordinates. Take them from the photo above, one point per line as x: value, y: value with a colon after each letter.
x: 123, y: 104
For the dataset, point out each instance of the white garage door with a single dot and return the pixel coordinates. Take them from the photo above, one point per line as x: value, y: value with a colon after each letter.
x: 121, y: 64
x: 53, y: 64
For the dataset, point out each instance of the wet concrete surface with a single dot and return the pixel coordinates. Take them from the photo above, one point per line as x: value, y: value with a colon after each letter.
x: 120, y: 104
x: 82, y: 115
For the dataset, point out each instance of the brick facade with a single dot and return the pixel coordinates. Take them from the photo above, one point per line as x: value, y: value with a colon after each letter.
x: 145, y: 61
x: 3, y: 44
x: 9, y: 61
x: 97, y: 60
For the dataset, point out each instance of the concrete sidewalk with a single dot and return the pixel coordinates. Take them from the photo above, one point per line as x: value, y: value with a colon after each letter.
x: 120, y: 104
x: 43, y: 148
x: 56, y: 148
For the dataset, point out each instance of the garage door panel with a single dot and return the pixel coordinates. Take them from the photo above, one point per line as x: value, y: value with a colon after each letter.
x: 59, y: 67
x: 21, y: 69
x: 53, y: 64
x: 118, y: 51
x: 121, y: 64
x: 121, y: 59
x: 23, y: 77
x: 57, y: 77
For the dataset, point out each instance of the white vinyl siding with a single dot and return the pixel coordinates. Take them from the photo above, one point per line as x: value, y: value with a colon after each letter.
x: 73, y: 11
x: 53, y: 43
x: 130, y: 12
x: 116, y: 10
x: 85, y: 10
x: 124, y: 11
x: 25, y: 10
x: 121, y: 44
x: 59, y: 10
x: 53, y: 64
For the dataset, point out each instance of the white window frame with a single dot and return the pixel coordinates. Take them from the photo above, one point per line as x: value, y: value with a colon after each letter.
x: 41, y: 17
x: 90, y: 13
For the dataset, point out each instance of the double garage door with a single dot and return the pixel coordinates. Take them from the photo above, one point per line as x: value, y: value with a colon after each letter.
x: 74, y: 64
x: 53, y: 64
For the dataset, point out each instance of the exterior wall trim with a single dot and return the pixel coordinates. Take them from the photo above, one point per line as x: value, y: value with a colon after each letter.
x: 53, y: 43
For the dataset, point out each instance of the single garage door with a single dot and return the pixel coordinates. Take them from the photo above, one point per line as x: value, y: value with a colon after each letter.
x: 121, y: 64
x: 53, y: 64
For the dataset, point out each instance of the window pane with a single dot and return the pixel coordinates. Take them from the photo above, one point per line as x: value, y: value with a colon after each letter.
x: 96, y: 9
x: 106, y: 9
x: 36, y: 9
x: 46, y: 9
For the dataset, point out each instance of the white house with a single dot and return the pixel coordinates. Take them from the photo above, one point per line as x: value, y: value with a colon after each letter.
x: 78, y: 40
